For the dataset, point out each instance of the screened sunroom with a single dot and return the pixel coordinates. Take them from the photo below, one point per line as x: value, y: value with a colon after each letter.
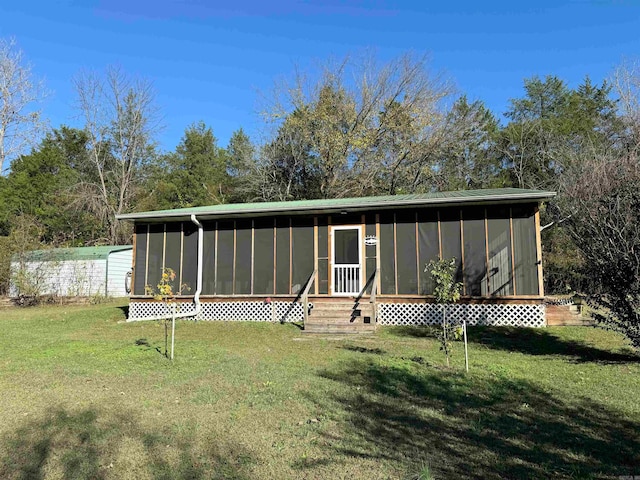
x: 263, y: 261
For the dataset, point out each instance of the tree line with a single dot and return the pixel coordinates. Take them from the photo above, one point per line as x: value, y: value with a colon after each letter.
x: 356, y: 127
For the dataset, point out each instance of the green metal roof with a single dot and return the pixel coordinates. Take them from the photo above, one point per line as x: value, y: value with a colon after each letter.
x: 74, y: 253
x: 358, y: 204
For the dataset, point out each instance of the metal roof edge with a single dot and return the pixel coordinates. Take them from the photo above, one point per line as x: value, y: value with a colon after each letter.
x: 356, y: 204
x: 71, y: 253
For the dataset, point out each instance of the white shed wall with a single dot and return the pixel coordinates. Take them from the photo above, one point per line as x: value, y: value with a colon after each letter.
x: 119, y: 263
x: 66, y: 278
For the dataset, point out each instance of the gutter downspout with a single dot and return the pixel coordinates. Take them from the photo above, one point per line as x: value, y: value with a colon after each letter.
x: 196, y: 297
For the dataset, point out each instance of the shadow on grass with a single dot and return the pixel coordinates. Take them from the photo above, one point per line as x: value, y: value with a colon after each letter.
x: 124, y: 309
x: 358, y: 349
x: 534, y: 341
x: 427, y: 331
x: 466, y: 426
x: 86, y: 444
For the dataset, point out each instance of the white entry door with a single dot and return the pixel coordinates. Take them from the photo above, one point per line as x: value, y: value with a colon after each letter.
x: 346, y: 255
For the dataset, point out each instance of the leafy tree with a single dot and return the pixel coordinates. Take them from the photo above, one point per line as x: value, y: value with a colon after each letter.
x: 467, y: 156
x: 39, y: 185
x: 528, y: 139
x: 196, y: 173
x: 166, y: 293
x: 446, y: 291
x: 25, y: 235
x: 551, y: 129
x: 241, y: 166
x: 551, y: 123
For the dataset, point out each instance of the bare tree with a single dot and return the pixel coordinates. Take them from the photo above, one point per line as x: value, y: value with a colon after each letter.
x: 602, y: 199
x: 626, y: 84
x: 360, y: 128
x: 21, y: 123
x: 121, y: 120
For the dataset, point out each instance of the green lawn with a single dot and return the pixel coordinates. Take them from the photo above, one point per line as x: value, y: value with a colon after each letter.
x: 80, y: 399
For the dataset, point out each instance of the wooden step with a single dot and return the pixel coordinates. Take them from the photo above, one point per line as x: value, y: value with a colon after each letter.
x: 340, y: 317
x: 338, y: 328
x: 339, y: 320
x: 339, y: 305
x: 359, y: 313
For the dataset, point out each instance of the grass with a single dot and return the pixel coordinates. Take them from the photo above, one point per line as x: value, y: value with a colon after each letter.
x: 85, y: 395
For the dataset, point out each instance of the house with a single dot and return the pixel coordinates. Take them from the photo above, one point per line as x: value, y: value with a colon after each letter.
x: 342, y: 263
x: 65, y: 272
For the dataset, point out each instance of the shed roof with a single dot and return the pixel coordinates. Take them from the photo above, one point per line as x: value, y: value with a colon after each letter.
x: 358, y: 204
x: 73, y: 253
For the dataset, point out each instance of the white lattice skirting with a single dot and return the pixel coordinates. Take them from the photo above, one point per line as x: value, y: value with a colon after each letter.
x: 227, y: 311
x: 513, y: 315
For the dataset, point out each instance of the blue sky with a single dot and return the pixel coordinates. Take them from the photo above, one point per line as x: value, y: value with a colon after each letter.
x: 209, y: 60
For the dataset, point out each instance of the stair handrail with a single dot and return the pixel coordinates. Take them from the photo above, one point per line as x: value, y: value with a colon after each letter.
x: 374, y: 293
x: 373, y: 281
x: 374, y: 287
x: 305, y: 294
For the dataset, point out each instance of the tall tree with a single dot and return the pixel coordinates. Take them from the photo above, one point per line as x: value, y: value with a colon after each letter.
x: 467, y: 156
x: 241, y: 166
x: 196, y: 173
x: 528, y: 139
x: 550, y: 123
x: 361, y: 128
x: 39, y: 186
x: 21, y: 122
x: 552, y: 129
x: 121, y: 120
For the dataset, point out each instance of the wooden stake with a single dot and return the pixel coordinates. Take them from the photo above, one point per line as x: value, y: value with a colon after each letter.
x: 466, y: 350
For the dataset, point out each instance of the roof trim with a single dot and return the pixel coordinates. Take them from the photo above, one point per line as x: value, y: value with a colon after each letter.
x: 72, y: 253
x: 513, y: 195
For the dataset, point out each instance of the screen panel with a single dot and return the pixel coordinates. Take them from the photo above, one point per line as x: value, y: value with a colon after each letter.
x: 323, y: 256
x: 172, y: 251
x: 525, y: 250
x: 140, y: 272
x: 224, y: 263
x: 406, y: 251
x: 450, y: 238
x: 156, y: 251
x: 243, y: 258
x: 208, y: 258
x: 500, y: 265
x: 190, y: 259
x: 428, y: 247
x: 346, y: 247
x: 323, y: 238
x: 282, y: 256
x: 323, y: 276
x: 263, y: 261
x: 387, y: 255
x: 370, y: 250
x: 302, y: 252
x: 475, y: 252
